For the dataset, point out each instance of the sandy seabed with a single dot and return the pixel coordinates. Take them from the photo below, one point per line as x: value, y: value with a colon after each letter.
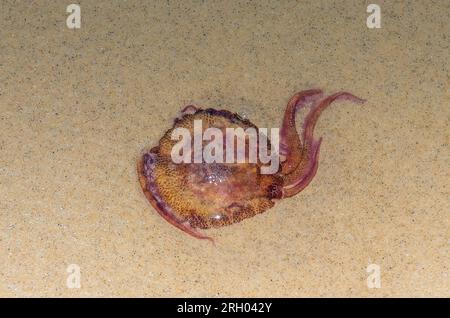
x: 78, y: 107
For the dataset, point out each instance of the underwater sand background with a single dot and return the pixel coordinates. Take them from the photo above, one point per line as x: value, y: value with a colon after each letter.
x: 79, y: 106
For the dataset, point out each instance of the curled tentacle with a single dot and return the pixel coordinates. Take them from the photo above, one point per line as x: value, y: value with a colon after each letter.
x: 306, y: 171
x: 290, y: 142
x: 314, y: 114
x: 297, y: 179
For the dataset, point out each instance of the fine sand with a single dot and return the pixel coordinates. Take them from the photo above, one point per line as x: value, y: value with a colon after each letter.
x: 78, y: 107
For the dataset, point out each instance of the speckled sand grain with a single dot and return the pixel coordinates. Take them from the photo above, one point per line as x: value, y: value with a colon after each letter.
x: 77, y: 107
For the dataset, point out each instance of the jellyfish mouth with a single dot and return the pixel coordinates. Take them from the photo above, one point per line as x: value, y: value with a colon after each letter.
x: 147, y: 180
